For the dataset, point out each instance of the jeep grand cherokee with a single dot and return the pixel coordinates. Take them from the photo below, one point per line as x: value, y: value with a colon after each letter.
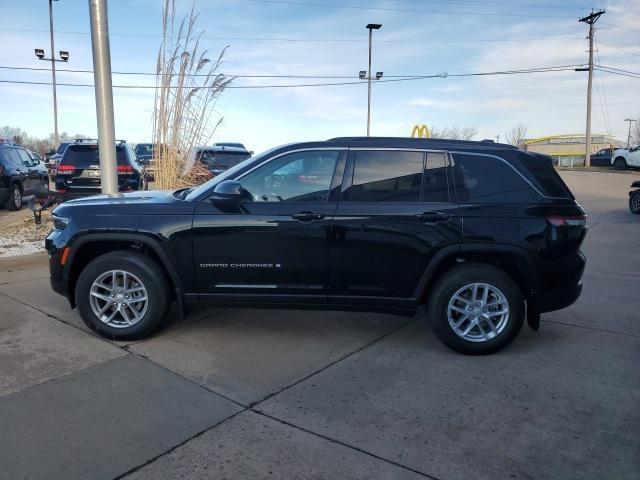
x: 482, y: 234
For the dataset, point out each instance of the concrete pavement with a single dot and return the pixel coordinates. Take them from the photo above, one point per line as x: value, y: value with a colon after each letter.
x: 293, y: 394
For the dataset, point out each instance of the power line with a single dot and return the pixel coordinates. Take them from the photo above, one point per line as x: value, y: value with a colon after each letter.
x: 621, y: 49
x: 631, y: 75
x: 401, y: 10
x: 326, y: 84
x: 68, y: 70
x: 308, y: 40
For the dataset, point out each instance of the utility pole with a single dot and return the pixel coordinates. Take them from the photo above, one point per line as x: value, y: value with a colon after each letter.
x: 104, y: 95
x: 53, y: 74
x: 630, y: 120
x: 591, y: 19
x: 371, y: 27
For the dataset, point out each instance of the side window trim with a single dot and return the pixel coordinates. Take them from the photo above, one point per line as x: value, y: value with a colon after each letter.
x: 526, y: 180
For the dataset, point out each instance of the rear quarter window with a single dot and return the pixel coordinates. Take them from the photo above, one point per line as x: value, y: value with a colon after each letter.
x: 489, y: 180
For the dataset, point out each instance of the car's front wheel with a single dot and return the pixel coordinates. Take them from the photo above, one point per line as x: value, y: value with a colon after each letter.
x: 620, y: 164
x: 123, y: 295
x: 634, y: 202
x: 476, y: 309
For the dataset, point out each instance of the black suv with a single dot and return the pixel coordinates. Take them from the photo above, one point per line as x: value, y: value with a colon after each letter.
x: 20, y: 175
x: 78, y: 172
x: 483, y: 234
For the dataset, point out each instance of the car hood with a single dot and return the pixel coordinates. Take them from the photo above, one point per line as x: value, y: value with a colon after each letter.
x: 156, y: 202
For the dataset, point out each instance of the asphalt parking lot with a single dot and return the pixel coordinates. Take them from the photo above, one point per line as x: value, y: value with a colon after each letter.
x: 295, y: 394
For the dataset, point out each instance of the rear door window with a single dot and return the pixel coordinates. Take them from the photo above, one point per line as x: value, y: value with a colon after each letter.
x: 386, y: 176
x: 488, y: 179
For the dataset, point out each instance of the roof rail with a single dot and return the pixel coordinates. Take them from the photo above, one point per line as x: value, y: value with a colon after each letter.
x: 94, y: 140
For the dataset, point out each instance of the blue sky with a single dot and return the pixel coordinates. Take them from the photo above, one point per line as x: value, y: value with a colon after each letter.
x: 418, y: 37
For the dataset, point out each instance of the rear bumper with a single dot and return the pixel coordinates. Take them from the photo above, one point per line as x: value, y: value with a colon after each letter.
x: 551, y: 301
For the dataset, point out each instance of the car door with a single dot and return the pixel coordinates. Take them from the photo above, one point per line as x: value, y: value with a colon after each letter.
x: 273, y: 246
x: 633, y: 158
x: 32, y: 175
x: 396, y: 211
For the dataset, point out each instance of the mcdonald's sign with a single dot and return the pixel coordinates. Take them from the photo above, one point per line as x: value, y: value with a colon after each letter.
x: 420, y: 131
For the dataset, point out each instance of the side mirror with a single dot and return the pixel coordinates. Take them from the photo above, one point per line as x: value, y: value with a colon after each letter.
x: 227, y: 192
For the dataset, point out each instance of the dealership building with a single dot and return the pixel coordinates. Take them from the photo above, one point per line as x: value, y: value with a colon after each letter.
x: 569, y: 150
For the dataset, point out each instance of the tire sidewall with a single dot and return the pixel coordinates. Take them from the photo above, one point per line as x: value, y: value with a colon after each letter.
x: 620, y: 164
x: 11, y: 203
x: 147, y: 272
x: 456, y: 279
x: 634, y: 195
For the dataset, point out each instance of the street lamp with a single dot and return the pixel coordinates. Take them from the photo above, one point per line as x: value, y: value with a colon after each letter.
x: 64, y: 57
x: 629, y: 135
x: 367, y: 74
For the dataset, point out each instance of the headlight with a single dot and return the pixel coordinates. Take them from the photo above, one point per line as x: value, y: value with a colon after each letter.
x: 59, y: 223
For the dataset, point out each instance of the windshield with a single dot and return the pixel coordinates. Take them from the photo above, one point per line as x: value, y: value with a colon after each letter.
x: 196, y: 192
x: 213, y: 158
x: 144, y: 149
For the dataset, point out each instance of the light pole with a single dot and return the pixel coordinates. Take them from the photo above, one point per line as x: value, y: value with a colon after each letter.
x: 64, y: 57
x: 371, y: 27
x: 104, y: 95
x: 629, y: 135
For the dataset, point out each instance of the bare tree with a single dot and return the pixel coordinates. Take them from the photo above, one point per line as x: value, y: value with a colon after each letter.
x: 455, y: 132
x: 188, y: 86
x: 517, y: 134
x: 635, y: 133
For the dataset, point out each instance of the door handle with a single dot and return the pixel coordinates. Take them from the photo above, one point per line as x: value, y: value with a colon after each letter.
x: 432, y: 217
x: 307, y: 216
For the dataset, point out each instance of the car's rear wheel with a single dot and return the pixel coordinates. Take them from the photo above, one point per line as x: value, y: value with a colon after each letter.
x: 620, y: 164
x: 634, y: 202
x: 14, y: 202
x: 123, y: 295
x: 476, y: 309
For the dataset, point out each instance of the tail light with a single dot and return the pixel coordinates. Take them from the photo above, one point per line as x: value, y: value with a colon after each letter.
x: 1, y: 170
x: 66, y: 169
x: 126, y: 169
x: 567, y: 220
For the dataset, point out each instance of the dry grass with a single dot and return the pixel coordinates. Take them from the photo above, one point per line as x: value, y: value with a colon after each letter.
x: 188, y: 87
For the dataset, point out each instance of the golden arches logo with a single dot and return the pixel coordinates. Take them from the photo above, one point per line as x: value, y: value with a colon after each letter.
x: 420, y: 131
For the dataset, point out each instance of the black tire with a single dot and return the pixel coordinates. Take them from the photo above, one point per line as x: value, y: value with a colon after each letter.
x: 634, y: 202
x: 620, y: 163
x: 467, y: 274
x: 152, y: 277
x: 14, y: 202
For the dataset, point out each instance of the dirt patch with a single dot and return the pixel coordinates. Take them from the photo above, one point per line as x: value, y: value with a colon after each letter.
x: 23, y: 236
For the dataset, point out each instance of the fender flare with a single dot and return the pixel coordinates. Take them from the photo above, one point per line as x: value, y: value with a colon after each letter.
x: 460, y: 249
x: 146, y: 239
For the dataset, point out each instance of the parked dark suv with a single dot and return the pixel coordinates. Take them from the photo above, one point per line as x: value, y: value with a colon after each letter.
x: 20, y: 175
x: 78, y: 173
x: 483, y: 234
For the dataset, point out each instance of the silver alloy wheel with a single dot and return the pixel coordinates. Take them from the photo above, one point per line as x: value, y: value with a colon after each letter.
x: 17, y: 197
x: 118, y: 298
x: 478, y: 312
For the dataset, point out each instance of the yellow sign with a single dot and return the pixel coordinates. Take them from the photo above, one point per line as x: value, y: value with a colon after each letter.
x: 420, y: 131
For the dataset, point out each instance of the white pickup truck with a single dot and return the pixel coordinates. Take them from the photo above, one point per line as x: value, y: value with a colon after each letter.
x: 623, y: 158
